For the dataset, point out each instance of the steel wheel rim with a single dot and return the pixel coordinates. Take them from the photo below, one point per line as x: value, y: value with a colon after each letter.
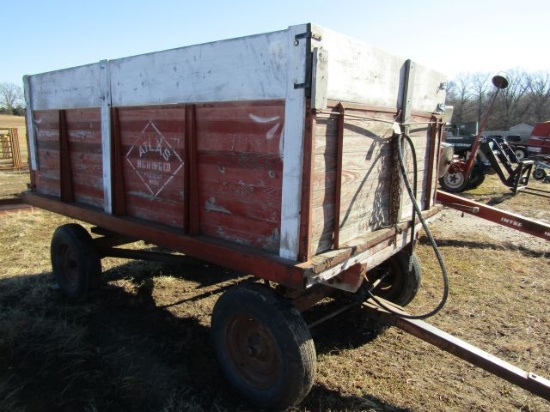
x: 392, y: 284
x: 253, y: 352
x: 520, y: 154
x: 454, y: 180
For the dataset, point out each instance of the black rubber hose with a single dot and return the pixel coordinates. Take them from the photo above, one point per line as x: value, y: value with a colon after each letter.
x: 418, y: 212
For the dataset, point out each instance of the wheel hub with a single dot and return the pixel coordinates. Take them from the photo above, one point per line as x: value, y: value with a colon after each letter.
x: 253, y: 352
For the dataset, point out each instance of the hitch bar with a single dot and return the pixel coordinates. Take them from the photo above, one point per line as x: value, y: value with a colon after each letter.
x: 501, y: 217
x: 535, y: 384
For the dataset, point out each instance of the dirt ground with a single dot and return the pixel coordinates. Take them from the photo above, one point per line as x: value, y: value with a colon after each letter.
x: 143, y: 343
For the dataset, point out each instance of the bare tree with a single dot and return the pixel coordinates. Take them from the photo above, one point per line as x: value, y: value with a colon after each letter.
x: 459, y: 95
x: 480, y: 89
x: 513, y: 106
x: 526, y: 100
x: 539, y: 93
x: 11, y: 96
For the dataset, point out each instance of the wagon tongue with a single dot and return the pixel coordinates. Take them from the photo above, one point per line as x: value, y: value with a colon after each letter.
x: 529, y: 381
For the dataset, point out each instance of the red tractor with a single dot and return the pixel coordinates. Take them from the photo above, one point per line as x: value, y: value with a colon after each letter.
x: 468, y: 173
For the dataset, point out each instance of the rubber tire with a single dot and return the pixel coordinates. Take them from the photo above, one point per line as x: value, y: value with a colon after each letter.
x: 521, y: 153
x: 539, y: 174
x: 475, y: 181
x: 276, y: 322
x: 76, y: 263
x: 402, y: 284
x: 449, y: 185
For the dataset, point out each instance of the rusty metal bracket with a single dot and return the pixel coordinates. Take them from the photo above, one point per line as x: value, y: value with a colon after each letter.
x: 308, y: 35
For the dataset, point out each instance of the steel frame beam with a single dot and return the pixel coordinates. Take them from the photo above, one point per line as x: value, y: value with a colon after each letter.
x: 529, y: 381
x: 511, y: 220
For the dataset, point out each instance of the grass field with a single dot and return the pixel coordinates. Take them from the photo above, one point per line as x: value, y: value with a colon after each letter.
x: 143, y: 343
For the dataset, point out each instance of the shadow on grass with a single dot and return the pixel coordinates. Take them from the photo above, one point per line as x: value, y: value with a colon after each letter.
x: 122, y: 352
x: 351, y: 329
x: 202, y: 273
x: 323, y: 399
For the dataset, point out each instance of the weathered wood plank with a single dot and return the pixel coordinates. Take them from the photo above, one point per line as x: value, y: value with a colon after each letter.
x: 367, y: 164
x: 261, y: 205
x: 153, y: 150
x: 295, y: 123
x: 48, y: 183
x: 245, y: 127
x: 244, y: 160
x: 358, y: 72
x: 243, y: 230
x: 155, y: 210
x: 248, y: 68
x: 88, y: 195
x: 239, y: 171
x: 66, y: 89
x: 47, y: 176
x: 85, y: 154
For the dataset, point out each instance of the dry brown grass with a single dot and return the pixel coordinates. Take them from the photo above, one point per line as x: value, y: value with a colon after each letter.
x: 143, y: 344
x: 7, y: 120
x: 13, y: 182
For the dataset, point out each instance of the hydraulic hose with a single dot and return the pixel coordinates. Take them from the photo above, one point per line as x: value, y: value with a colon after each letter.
x: 418, y: 212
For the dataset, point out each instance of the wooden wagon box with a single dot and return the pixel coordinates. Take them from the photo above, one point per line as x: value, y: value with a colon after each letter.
x: 273, y: 154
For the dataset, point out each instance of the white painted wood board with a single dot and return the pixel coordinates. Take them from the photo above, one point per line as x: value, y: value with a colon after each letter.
x: 360, y: 73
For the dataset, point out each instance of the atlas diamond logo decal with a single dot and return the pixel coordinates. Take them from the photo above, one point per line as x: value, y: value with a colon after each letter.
x: 154, y: 160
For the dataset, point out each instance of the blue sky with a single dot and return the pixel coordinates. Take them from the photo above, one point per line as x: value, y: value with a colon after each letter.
x: 451, y: 36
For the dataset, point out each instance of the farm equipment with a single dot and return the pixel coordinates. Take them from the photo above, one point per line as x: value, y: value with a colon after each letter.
x: 538, y: 143
x: 542, y: 164
x: 469, y: 173
x: 10, y: 154
x: 303, y: 157
x: 503, y: 218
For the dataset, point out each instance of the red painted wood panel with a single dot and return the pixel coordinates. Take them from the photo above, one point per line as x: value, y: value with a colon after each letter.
x: 47, y: 177
x: 153, y: 152
x: 239, y: 168
x: 221, y: 127
x: 84, y: 135
x: 242, y: 230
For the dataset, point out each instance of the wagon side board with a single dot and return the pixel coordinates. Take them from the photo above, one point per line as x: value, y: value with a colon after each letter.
x: 283, y: 144
x: 370, y: 250
x: 259, y: 70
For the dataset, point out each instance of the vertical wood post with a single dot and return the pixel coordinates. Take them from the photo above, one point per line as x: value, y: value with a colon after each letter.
x: 304, y: 252
x: 66, y: 181
x: 191, y: 190
x: 106, y: 103
x: 118, y: 189
x: 338, y: 178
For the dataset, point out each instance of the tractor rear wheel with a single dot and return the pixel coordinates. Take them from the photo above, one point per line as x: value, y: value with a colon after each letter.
x: 454, y: 182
